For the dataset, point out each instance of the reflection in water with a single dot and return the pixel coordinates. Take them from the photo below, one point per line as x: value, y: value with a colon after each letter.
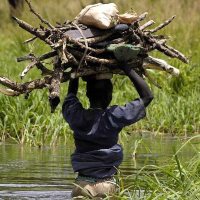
x: 32, y: 173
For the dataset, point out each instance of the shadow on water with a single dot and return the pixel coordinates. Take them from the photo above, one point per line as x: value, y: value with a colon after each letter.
x: 32, y: 173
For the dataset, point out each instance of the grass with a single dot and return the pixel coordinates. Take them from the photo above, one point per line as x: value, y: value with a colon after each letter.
x: 175, y: 178
x: 174, y: 111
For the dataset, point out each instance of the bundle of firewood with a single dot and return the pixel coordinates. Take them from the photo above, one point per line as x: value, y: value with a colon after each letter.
x: 79, y: 50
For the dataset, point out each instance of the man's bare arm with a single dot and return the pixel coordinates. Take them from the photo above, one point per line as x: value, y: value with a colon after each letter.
x: 139, y: 83
x: 73, y: 86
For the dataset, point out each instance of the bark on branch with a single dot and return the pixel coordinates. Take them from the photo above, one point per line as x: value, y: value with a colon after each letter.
x: 89, y: 53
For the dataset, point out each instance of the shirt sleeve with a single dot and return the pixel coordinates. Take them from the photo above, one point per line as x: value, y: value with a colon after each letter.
x: 71, y: 109
x: 121, y: 116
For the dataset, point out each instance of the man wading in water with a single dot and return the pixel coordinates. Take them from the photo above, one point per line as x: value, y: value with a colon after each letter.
x: 97, y: 155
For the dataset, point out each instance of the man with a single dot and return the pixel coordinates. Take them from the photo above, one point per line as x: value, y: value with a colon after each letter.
x: 97, y: 155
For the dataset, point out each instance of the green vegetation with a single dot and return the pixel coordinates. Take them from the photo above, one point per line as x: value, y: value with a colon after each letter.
x: 175, y: 109
x: 176, y: 178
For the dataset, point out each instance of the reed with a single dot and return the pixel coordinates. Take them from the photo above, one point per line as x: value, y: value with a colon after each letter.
x: 173, y: 179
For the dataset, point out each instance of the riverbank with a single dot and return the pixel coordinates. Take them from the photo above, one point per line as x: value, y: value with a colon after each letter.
x: 174, y: 111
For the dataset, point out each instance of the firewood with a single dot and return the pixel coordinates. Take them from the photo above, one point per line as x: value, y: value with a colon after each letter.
x: 87, y: 54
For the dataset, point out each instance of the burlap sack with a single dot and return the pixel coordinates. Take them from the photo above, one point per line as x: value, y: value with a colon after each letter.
x: 102, y: 16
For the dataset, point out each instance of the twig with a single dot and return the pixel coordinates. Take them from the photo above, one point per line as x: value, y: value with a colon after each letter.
x: 54, y: 87
x: 29, y: 40
x: 162, y: 48
x: 179, y: 54
x: 9, y: 92
x: 94, y: 71
x: 41, y: 58
x: 43, y: 69
x: 162, y: 25
x: 36, y: 62
x: 39, y: 16
x: 146, y: 25
x: 94, y: 59
x: 34, y: 31
x: 28, y: 68
x: 71, y: 58
x: 86, y: 45
x: 76, y: 42
x: 25, y: 87
x: 159, y: 64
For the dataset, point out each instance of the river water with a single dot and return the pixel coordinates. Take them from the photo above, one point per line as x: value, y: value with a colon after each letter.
x: 46, y: 173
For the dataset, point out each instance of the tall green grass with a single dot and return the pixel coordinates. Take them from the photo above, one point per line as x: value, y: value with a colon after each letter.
x: 175, y: 178
x: 175, y: 109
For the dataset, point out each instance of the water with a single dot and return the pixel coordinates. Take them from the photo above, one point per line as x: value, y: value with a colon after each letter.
x: 46, y: 173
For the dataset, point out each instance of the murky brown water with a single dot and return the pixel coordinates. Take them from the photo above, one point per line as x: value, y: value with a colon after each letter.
x: 32, y: 173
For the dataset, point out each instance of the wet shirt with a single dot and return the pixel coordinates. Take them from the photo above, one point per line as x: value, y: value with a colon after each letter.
x: 96, y: 132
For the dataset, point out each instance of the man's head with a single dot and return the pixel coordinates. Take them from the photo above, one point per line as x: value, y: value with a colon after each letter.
x: 99, y: 92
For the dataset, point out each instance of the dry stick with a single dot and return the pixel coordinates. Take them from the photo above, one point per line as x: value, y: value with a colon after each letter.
x: 8, y: 83
x: 71, y: 58
x: 61, y: 53
x: 169, y: 52
x: 178, y: 53
x: 86, y: 45
x: 25, y: 58
x: 159, y: 64
x: 9, y: 92
x: 82, y: 46
x: 36, y: 62
x: 41, y: 58
x: 162, y: 25
x: 92, y: 71
x: 43, y: 69
x: 163, y: 48
x: 32, y: 30
x: 25, y: 87
x: 39, y: 65
x: 29, y: 40
x: 47, y: 55
x: 28, y: 68
x: 161, y: 42
x: 94, y: 59
x: 39, y: 16
x: 146, y: 25
x: 54, y: 88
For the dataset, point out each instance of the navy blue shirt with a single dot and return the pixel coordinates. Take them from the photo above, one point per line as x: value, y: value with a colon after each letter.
x: 96, y: 133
